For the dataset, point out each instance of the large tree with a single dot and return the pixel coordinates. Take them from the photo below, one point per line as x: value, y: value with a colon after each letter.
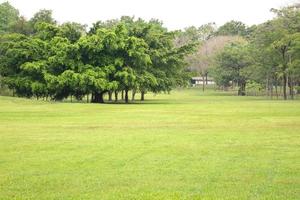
x: 232, y: 64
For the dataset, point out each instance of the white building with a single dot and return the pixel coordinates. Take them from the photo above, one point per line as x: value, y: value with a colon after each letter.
x: 199, y: 81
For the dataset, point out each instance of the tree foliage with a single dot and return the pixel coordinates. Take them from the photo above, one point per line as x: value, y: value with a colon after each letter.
x: 41, y: 58
x: 59, y: 61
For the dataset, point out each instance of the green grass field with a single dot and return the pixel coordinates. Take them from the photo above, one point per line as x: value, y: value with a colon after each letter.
x: 187, y: 145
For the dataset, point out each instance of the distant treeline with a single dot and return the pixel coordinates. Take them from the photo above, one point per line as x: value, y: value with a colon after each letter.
x: 261, y: 57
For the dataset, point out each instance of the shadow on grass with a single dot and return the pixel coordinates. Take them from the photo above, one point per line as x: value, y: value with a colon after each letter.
x: 145, y: 102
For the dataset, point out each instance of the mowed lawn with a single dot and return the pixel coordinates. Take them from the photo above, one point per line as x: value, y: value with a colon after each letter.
x: 187, y: 145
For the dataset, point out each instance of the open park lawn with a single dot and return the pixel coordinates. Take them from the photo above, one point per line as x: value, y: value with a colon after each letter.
x: 186, y: 145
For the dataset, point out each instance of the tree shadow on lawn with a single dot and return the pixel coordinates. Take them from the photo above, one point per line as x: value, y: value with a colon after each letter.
x: 145, y: 102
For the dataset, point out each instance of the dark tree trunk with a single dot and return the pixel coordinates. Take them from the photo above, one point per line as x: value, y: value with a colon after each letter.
x: 283, y: 52
x: 284, y: 86
x: 267, y: 87
x: 126, y: 96
x: 142, y: 95
x: 98, y: 97
x: 290, y: 82
x: 109, y: 95
x: 242, y: 88
x: 87, y: 98
x: 122, y: 95
x: 203, y: 83
x: 206, y: 79
x: 272, y: 89
x: 276, y: 89
x: 116, y: 96
x: 133, y: 95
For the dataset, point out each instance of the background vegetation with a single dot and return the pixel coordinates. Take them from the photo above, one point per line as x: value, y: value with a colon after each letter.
x: 266, y: 55
x: 43, y: 59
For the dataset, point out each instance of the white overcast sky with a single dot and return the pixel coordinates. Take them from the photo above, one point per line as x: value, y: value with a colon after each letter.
x: 175, y: 14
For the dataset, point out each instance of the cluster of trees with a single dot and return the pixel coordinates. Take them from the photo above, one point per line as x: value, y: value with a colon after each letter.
x: 265, y: 55
x: 43, y: 59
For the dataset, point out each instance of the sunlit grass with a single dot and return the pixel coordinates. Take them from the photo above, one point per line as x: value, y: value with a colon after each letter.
x: 187, y: 145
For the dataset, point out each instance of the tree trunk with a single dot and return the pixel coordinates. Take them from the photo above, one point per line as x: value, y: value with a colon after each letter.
x: 87, y: 98
x: 122, y: 95
x: 272, y: 89
x: 126, y: 95
x: 290, y: 82
x: 203, y: 83
x: 116, y: 96
x: 242, y: 88
x: 133, y: 94
x: 284, y: 86
x: 276, y: 89
x: 109, y: 95
x: 206, y: 79
x: 267, y: 87
x: 142, y: 95
x: 98, y: 97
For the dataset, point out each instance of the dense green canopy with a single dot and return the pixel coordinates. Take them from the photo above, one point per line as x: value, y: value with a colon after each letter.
x: 59, y: 61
